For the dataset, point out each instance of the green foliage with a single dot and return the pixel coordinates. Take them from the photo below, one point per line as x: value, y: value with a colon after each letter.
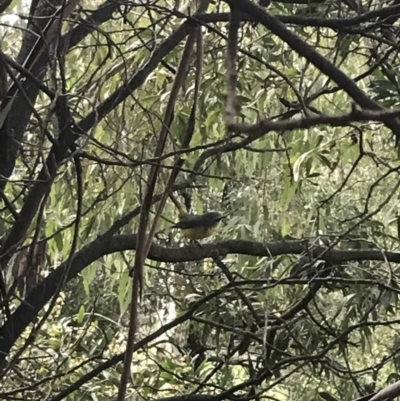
x: 325, y: 185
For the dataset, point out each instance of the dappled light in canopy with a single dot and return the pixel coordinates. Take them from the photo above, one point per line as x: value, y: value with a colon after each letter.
x: 199, y: 200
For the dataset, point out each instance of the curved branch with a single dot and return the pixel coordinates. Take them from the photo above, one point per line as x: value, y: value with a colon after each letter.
x: 35, y: 63
x: 388, y: 393
x: 310, y: 54
x: 60, y: 151
x: 44, y: 291
x: 338, y: 24
x: 85, y: 26
x: 138, y: 79
x: 140, y: 344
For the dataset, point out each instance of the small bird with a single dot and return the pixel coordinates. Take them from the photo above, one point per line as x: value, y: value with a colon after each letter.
x: 199, y: 226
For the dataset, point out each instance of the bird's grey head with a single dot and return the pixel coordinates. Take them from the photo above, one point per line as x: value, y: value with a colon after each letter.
x: 213, y: 216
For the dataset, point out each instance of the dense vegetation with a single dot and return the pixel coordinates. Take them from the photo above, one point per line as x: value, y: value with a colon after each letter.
x: 295, y: 296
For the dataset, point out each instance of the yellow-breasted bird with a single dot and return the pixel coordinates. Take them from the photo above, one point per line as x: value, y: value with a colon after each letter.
x: 199, y: 226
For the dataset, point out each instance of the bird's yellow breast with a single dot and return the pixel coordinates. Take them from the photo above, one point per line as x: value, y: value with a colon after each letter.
x: 197, y: 233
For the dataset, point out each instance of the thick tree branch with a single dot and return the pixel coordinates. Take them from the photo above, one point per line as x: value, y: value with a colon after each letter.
x: 138, y: 79
x: 264, y: 126
x: 140, y: 344
x: 88, y: 25
x: 38, y: 45
x: 388, y: 393
x: 44, y: 291
x: 35, y: 62
x: 60, y: 151
x: 319, y: 61
x: 338, y: 24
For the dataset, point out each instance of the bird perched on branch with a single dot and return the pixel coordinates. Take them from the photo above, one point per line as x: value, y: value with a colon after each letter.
x: 195, y: 226
x: 199, y: 226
